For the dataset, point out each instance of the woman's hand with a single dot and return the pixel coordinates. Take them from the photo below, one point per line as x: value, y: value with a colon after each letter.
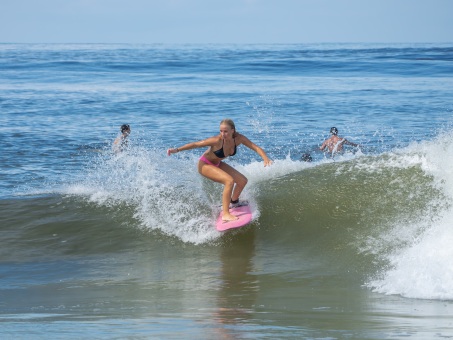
x: 170, y: 151
x: 268, y: 162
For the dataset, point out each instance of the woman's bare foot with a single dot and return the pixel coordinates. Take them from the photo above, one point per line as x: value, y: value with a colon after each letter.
x: 229, y: 217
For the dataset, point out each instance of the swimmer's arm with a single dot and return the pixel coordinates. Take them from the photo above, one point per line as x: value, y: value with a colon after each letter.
x: 116, y: 145
x: 350, y: 143
x: 248, y: 143
x: 324, y: 144
x: 194, y: 145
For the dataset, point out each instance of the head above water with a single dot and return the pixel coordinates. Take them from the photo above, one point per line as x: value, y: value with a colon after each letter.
x: 125, y: 128
x: 334, y: 131
x: 306, y: 157
x: 230, y: 124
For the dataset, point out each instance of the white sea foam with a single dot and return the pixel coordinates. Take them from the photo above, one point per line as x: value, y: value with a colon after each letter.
x: 421, y: 266
x: 163, y: 197
x: 423, y: 269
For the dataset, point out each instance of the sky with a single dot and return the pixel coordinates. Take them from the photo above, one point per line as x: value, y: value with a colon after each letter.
x: 226, y: 21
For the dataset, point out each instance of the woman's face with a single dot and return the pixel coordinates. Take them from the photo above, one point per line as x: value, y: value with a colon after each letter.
x: 226, y: 131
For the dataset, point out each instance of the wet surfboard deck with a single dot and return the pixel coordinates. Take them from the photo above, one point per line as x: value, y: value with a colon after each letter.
x: 245, y: 217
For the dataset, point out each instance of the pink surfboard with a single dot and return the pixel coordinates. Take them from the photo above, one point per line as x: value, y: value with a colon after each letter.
x: 245, y: 217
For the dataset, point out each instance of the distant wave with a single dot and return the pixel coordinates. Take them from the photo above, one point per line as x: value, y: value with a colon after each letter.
x: 421, y: 59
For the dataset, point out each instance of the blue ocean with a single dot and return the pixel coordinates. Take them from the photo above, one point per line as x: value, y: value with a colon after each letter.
x: 104, y: 245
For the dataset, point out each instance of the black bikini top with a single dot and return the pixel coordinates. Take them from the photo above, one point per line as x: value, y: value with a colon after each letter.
x: 219, y: 153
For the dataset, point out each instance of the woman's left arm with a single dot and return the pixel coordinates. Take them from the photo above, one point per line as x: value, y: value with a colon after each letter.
x: 248, y: 143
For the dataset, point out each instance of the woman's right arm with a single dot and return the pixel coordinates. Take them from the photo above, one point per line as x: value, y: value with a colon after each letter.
x: 194, y: 145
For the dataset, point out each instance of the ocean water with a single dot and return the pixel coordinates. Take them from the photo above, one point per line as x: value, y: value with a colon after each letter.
x: 103, y: 246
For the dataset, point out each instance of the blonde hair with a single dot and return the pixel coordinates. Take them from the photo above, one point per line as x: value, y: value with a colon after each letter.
x: 230, y: 123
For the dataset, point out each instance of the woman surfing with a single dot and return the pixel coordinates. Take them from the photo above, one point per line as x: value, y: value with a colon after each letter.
x: 211, y: 165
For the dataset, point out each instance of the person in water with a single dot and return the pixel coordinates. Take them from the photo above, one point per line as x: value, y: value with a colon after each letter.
x: 121, y: 141
x: 335, y: 143
x: 211, y: 165
x: 306, y: 157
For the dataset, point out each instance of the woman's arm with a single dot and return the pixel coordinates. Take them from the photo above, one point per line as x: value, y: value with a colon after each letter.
x: 194, y: 145
x: 248, y: 143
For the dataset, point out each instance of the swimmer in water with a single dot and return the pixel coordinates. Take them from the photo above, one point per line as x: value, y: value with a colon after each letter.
x: 335, y: 143
x: 121, y: 141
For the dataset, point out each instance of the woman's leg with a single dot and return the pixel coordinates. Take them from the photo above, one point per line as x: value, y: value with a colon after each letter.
x: 239, y: 179
x: 216, y: 174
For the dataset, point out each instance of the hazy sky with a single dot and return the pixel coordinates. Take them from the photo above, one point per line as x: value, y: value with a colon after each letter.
x: 225, y: 21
